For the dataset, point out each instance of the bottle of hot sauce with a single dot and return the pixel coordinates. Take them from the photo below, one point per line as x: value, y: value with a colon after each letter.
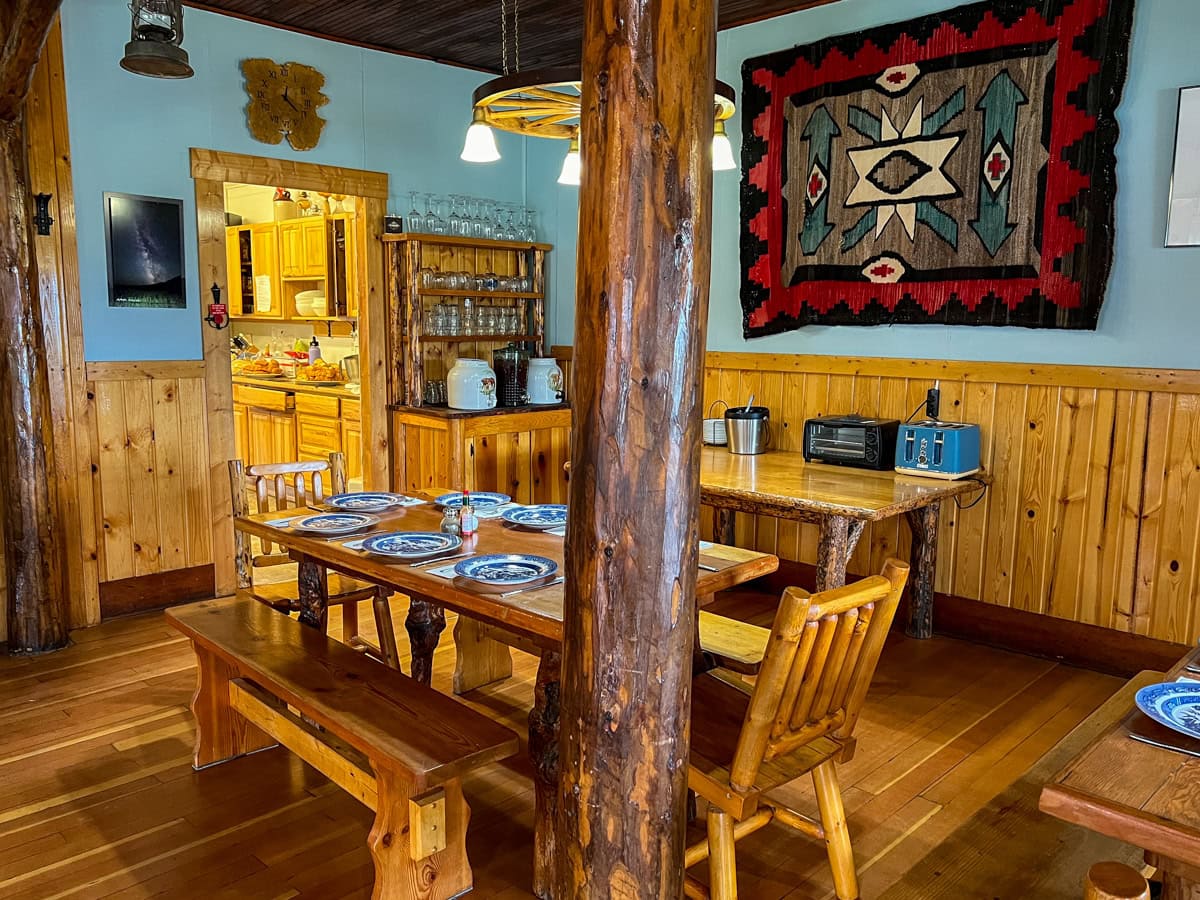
x: 469, y: 520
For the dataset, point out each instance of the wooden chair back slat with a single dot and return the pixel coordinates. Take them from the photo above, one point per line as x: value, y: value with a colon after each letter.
x: 811, y: 680
x: 278, y: 487
x: 836, y: 664
x: 818, y: 666
x: 795, y: 679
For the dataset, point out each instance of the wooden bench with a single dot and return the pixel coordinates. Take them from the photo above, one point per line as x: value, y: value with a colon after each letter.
x: 398, y: 746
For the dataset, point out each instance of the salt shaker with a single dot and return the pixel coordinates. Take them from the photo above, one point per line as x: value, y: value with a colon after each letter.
x: 450, y: 522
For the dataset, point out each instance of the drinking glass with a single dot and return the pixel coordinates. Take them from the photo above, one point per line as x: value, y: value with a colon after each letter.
x: 452, y: 320
x: 433, y: 218
x: 412, y: 222
x: 529, y: 228
x: 468, y: 315
x: 487, y: 319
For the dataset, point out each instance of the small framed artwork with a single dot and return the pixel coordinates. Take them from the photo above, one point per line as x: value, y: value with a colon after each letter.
x: 144, y: 236
x: 1183, y: 210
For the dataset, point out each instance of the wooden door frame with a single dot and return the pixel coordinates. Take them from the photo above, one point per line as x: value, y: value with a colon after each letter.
x: 211, y: 169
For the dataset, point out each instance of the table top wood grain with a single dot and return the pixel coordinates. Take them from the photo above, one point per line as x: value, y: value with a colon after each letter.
x: 534, y: 614
x: 780, y: 483
x: 1144, y: 795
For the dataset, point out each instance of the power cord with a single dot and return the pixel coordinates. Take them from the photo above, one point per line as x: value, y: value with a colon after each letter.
x: 982, y: 493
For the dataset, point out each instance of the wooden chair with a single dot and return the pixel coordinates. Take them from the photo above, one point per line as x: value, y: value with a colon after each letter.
x: 797, y: 719
x: 280, y: 486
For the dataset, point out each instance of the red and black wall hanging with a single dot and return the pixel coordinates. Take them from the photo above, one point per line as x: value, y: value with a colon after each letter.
x: 957, y: 169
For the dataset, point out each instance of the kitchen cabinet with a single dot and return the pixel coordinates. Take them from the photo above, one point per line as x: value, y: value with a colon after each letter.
x: 271, y: 436
x: 517, y: 453
x: 317, y: 436
x: 252, y: 258
x: 352, y: 444
x: 241, y: 432
x: 302, y: 249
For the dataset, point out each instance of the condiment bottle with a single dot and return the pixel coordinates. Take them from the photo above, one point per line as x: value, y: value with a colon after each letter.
x: 469, y: 522
x: 450, y: 522
x: 314, y: 351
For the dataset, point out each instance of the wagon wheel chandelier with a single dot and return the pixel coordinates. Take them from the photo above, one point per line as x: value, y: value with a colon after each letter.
x: 547, y: 103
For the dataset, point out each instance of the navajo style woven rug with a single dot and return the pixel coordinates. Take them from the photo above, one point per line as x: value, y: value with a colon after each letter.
x: 955, y: 169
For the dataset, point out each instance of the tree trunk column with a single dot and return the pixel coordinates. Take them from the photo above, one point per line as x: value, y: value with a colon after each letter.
x: 632, y: 539
x: 38, y: 612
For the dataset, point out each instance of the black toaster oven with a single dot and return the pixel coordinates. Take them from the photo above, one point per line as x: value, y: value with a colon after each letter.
x: 851, y: 441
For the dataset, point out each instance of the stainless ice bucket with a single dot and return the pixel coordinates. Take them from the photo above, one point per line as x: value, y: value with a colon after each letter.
x: 748, y: 429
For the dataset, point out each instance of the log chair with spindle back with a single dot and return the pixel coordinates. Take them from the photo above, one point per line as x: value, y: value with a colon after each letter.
x: 796, y: 720
x: 289, y: 482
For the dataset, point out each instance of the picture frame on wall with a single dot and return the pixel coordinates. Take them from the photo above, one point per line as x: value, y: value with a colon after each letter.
x: 1183, y: 207
x: 144, y: 240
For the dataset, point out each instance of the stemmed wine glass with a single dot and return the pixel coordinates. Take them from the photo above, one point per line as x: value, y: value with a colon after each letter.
x: 414, y: 222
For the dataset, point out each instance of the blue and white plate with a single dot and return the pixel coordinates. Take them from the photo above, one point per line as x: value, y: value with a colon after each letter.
x: 1175, y: 704
x: 334, y: 523
x: 504, y: 569
x: 411, y: 544
x: 541, y: 516
x: 366, y: 501
x: 481, y: 500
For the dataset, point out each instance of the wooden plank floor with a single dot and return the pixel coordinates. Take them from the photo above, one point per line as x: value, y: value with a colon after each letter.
x: 97, y: 797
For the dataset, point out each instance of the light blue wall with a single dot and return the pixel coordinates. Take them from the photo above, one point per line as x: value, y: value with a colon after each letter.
x: 1151, y: 316
x: 132, y: 134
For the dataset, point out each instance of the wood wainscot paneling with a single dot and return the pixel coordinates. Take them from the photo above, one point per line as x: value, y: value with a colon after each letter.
x: 151, y: 481
x: 1093, y: 513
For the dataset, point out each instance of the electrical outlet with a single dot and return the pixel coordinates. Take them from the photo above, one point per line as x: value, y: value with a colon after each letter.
x: 933, y: 399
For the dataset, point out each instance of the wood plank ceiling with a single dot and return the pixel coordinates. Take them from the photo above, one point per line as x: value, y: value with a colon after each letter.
x: 465, y: 32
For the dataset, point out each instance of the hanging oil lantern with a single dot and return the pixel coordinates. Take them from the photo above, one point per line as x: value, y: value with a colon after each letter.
x: 155, y: 45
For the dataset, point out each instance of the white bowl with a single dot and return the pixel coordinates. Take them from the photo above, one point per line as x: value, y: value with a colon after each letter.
x: 311, y: 303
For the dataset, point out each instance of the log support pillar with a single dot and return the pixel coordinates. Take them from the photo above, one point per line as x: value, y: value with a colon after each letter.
x: 633, y: 537
x: 36, y: 603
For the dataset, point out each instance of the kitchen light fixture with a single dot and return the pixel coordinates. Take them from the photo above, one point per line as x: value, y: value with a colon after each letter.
x: 547, y: 103
x: 480, y: 145
x: 571, y: 166
x: 155, y: 45
x: 722, y: 151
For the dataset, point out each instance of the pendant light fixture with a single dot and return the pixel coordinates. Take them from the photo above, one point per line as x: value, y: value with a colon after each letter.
x: 155, y: 45
x: 571, y: 167
x: 548, y: 102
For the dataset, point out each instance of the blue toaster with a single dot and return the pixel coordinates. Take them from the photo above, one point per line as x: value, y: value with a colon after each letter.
x: 938, y: 449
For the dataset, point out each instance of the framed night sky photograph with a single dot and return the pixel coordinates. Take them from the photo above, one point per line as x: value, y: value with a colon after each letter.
x: 144, y: 236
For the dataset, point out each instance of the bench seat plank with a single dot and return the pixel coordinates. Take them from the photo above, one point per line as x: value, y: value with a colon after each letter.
x: 369, y: 706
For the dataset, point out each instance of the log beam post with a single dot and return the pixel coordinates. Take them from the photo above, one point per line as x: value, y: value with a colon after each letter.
x: 36, y: 603
x: 632, y: 540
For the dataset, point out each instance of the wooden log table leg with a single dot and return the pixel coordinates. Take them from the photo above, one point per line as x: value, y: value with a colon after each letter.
x: 924, y: 525
x: 313, y: 582
x: 425, y: 623
x: 1180, y: 881
x: 543, y: 751
x: 724, y: 522
x: 838, y: 537
x: 478, y: 658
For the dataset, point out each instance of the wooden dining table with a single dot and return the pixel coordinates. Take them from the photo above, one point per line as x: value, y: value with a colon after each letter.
x: 840, y: 501
x: 1141, y: 794
x: 534, y: 617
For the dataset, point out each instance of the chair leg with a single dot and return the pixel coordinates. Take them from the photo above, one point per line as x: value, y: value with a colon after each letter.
x: 349, y: 622
x: 837, y: 835
x: 387, y: 634
x: 722, y: 863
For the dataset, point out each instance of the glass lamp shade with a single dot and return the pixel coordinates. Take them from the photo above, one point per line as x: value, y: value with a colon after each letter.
x: 722, y: 150
x: 480, y: 145
x: 572, y: 165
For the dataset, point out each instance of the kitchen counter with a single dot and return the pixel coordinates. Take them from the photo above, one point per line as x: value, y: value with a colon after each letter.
x: 298, y: 387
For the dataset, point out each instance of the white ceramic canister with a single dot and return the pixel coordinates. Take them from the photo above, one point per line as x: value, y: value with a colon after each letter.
x: 545, y: 381
x: 471, y: 384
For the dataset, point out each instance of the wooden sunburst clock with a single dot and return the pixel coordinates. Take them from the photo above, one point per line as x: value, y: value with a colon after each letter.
x: 284, y: 99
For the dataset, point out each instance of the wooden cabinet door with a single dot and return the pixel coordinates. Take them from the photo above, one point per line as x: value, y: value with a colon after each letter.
x: 312, y: 238
x: 283, y: 437
x: 233, y: 265
x: 241, y: 433
x: 352, y: 448
x: 259, y: 439
x: 291, y: 250
x: 317, y: 436
x: 264, y: 251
